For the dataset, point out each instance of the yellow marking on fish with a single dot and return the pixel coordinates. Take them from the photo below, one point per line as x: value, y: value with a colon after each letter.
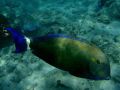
x: 93, y: 59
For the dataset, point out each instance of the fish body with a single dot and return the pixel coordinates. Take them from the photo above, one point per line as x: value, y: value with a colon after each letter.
x: 77, y: 56
x: 27, y: 22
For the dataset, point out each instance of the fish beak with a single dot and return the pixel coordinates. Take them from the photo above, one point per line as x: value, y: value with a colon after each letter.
x: 107, y: 78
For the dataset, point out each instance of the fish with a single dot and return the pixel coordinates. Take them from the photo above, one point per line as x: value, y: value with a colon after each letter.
x: 26, y: 22
x: 77, y: 56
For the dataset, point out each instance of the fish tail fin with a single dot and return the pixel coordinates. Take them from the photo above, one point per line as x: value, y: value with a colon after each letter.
x: 21, y: 42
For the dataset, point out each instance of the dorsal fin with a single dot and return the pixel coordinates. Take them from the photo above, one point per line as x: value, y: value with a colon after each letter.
x: 37, y: 39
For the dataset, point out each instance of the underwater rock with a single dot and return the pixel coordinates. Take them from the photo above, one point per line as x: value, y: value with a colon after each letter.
x: 103, y: 2
x: 114, y: 9
x: 87, y: 26
x: 110, y: 13
x: 106, y: 3
x: 2, y: 3
x: 61, y: 85
x: 56, y: 29
x: 10, y: 67
x: 104, y: 19
x: 7, y: 11
x: 117, y: 39
x: 97, y: 39
x: 12, y: 4
x: 2, y: 72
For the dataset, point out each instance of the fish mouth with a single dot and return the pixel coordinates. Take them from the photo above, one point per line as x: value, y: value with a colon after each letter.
x: 107, y: 78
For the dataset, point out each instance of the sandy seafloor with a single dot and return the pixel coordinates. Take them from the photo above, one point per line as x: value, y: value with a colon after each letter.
x: 81, y: 18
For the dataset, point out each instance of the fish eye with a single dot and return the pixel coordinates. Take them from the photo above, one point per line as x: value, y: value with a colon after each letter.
x: 98, y: 61
x: 95, y: 60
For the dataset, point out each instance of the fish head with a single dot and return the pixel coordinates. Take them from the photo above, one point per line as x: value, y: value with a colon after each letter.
x: 100, y: 68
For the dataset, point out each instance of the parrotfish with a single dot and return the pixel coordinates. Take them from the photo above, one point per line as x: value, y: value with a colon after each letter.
x: 75, y: 55
x: 27, y: 22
